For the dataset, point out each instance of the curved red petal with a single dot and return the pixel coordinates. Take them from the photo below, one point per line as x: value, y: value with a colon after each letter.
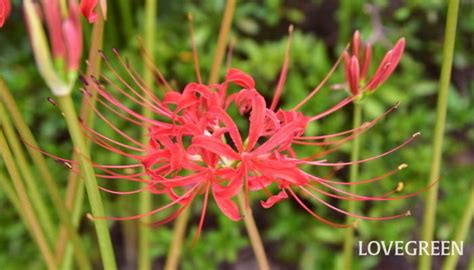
x: 215, y: 146
x: 274, y: 199
x: 240, y: 78
x: 354, y: 74
x: 228, y: 207
x: 87, y: 9
x: 257, y: 121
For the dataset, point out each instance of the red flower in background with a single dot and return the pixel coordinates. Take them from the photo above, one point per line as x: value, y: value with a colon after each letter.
x: 65, y: 33
x: 87, y: 8
x: 5, y: 9
x: 195, y: 146
x: 356, y: 74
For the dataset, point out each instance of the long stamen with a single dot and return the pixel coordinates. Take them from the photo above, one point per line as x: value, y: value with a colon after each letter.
x: 97, y: 134
x: 129, y: 166
x: 179, y: 199
x: 172, y: 216
x: 193, y: 45
x: 103, y: 143
x: 321, y: 84
x: 334, y: 108
x: 150, y: 64
x: 284, y: 71
x: 123, y: 192
x: 203, y: 212
x: 133, y: 178
x: 351, y: 196
x: 115, y: 128
x: 149, y: 101
x: 119, y: 105
x: 333, y: 135
x: 316, y: 215
x: 364, y: 126
x: 380, y: 177
x: 116, y: 112
x: 339, y: 143
x: 141, y: 84
x: 326, y: 143
x: 356, y: 197
x: 370, y: 198
x: 144, y: 103
x: 319, y: 163
x: 352, y: 214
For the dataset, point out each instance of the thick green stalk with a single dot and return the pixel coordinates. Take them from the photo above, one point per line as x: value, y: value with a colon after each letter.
x: 179, y: 232
x: 75, y: 187
x: 39, y: 204
x: 77, y: 204
x: 87, y: 173
x: 144, y: 258
x: 432, y: 196
x: 255, y: 239
x: 222, y: 41
x: 25, y: 202
x: 51, y: 186
x: 126, y: 17
x: 461, y: 232
x: 26, y: 135
x: 353, y: 176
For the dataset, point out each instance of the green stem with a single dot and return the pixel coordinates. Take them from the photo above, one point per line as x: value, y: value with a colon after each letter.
x: 30, y: 217
x: 76, y: 204
x: 87, y: 173
x: 75, y: 187
x: 44, y: 217
x: 144, y: 257
x: 222, y: 41
x: 9, y: 191
x: 126, y: 17
x: 179, y: 232
x: 461, y: 232
x: 26, y: 135
x: 253, y: 233
x: 432, y: 196
x: 353, y: 176
x: 52, y: 189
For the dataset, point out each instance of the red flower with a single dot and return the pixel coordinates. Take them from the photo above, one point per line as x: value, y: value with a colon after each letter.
x: 195, y: 146
x: 5, y: 9
x: 356, y: 74
x: 87, y: 8
x: 65, y: 32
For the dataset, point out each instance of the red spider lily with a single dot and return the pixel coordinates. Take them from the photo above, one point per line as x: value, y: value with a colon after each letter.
x: 357, y: 74
x: 87, y: 8
x: 195, y: 146
x: 65, y: 42
x: 65, y: 32
x: 5, y: 9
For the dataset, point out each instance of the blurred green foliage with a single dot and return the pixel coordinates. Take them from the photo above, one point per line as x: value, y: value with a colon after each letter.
x: 292, y: 237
